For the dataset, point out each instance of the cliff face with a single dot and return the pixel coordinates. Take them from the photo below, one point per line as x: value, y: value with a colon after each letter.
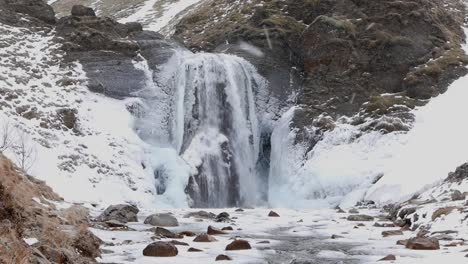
x: 337, y: 55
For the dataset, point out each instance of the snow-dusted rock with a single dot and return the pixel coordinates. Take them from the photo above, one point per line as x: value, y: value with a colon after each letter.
x: 122, y: 212
x: 161, y: 220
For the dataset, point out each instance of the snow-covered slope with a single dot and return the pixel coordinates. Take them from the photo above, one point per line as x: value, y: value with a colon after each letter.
x: 81, y: 144
x: 155, y: 15
x: 343, y: 166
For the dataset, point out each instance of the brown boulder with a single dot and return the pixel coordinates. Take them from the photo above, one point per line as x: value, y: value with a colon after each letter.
x: 215, y: 231
x: 204, y: 238
x: 194, y: 250
x: 223, y: 257
x: 422, y: 243
x: 239, y: 244
x: 160, y: 249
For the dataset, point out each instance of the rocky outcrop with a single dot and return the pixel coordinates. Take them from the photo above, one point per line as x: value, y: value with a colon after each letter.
x: 337, y: 55
x: 12, y: 11
x: 109, y: 50
x: 460, y: 174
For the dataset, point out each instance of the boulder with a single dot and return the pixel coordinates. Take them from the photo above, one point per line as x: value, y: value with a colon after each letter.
x: 161, y: 220
x: 239, y: 244
x: 392, y: 233
x: 123, y: 213
x: 273, y: 214
x: 215, y: 231
x: 160, y: 249
x: 360, y: 218
x: 222, y: 257
x: 204, y: 238
x: 227, y: 228
x: 336, y: 237
x: 80, y: 10
x: 354, y: 211
x: 166, y: 233
x: 388, y: 258
x: 422, y: 243
x: 239, y: 210
x: 194, y: 250
x: 222, y: 217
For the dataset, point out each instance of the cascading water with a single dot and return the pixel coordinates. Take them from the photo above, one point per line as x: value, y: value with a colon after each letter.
x: 216, y: 128
x: 206, y: 105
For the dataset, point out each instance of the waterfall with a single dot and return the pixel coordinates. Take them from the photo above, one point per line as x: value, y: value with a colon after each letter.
x: 206, y: 104
x: 216, y: 128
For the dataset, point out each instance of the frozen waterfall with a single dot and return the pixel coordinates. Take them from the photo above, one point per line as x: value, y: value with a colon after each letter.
x: 204, y: 105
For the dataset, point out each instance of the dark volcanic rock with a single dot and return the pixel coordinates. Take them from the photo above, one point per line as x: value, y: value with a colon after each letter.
x: 123, y: 213
x: 160, y: 249
x: 80, y: 10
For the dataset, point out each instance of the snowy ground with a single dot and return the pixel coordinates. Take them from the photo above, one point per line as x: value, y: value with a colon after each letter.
x: 301, y: 235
